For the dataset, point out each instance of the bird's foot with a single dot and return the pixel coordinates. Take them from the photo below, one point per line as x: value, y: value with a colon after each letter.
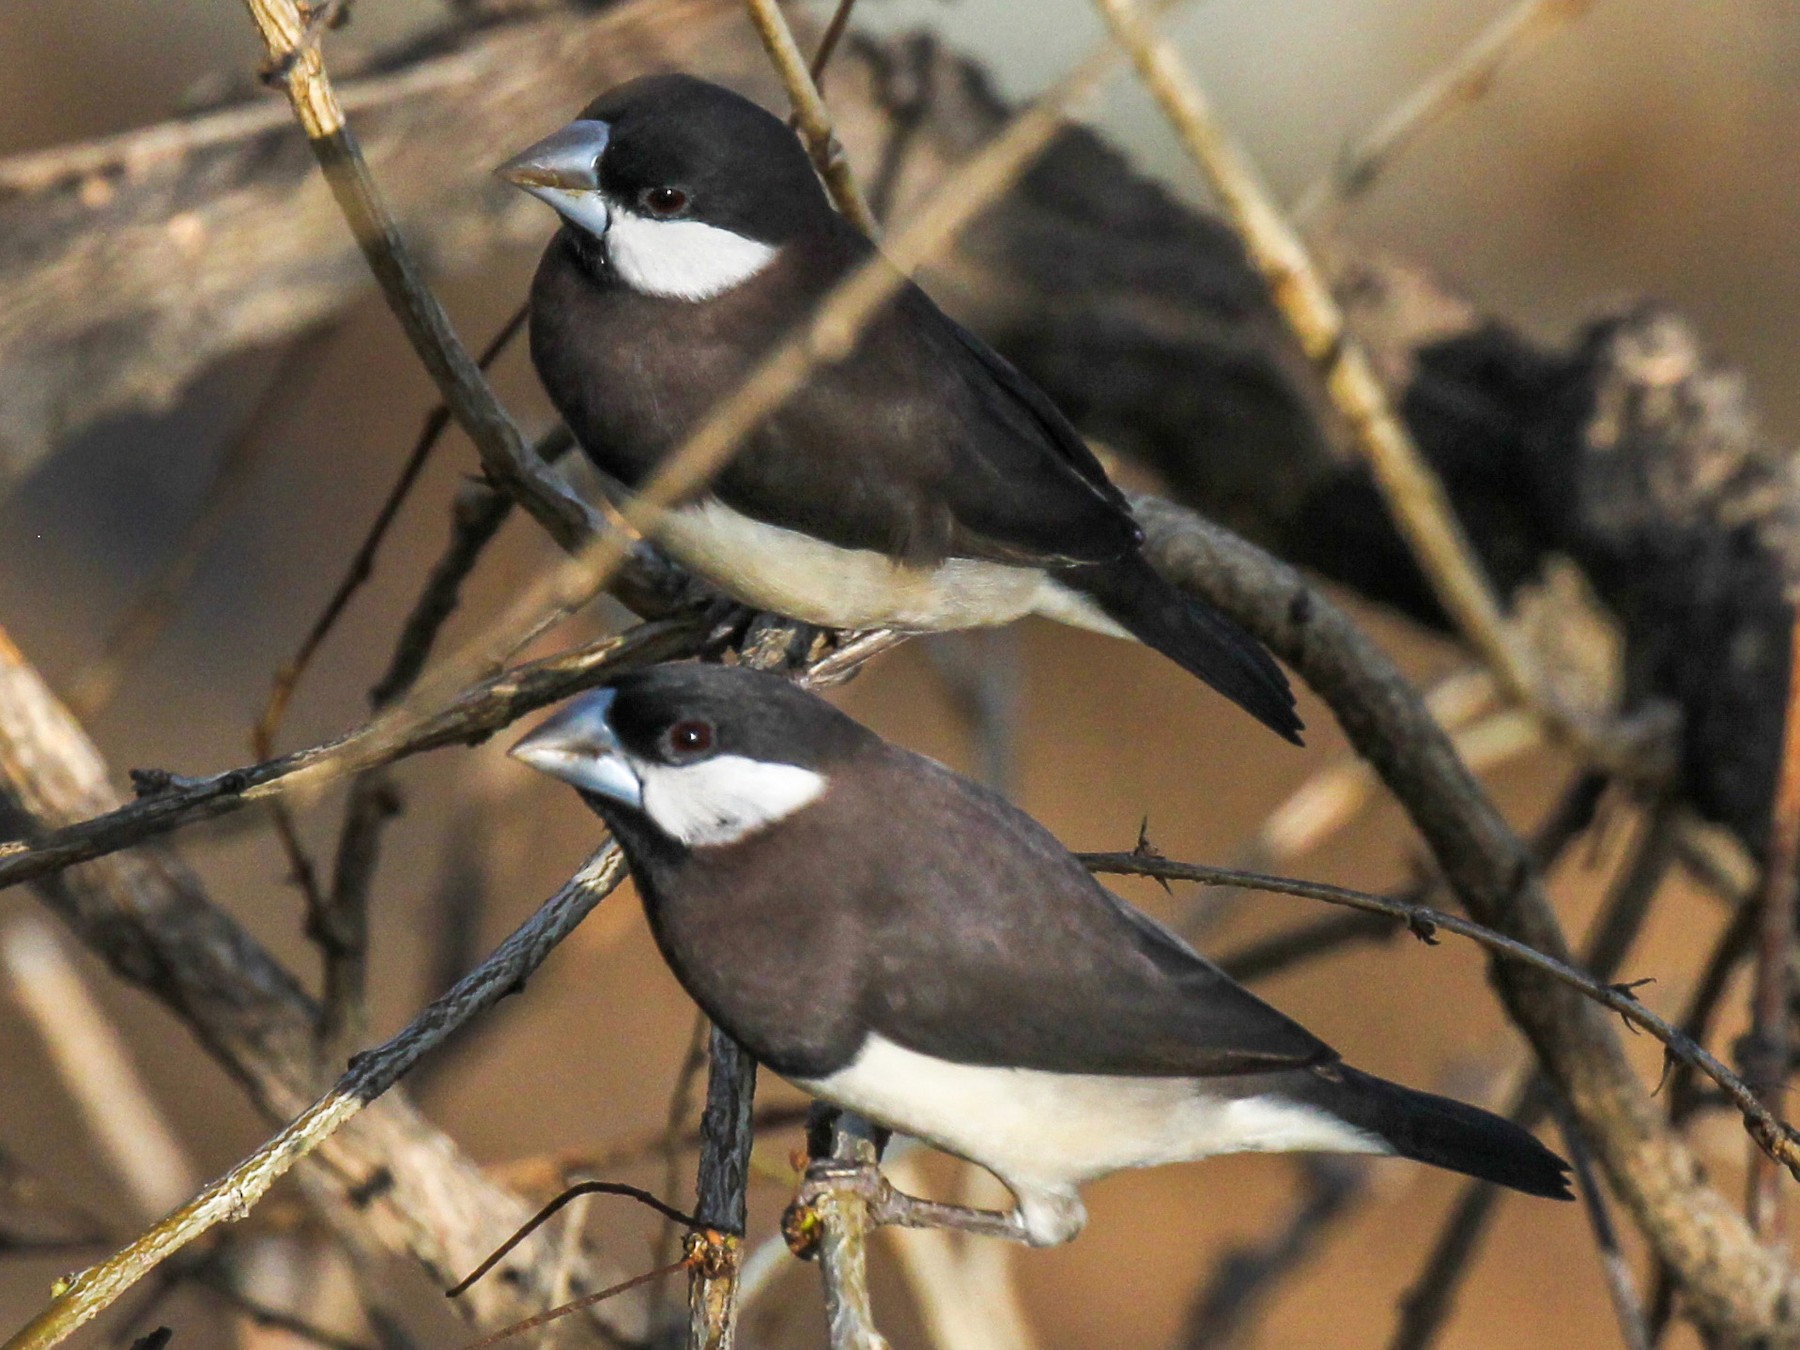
x: 831, y: 1177
x: 775, y: 642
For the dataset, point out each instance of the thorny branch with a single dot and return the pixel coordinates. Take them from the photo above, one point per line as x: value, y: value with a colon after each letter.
x: 1734, y: 1284
x: 1775, y: 1137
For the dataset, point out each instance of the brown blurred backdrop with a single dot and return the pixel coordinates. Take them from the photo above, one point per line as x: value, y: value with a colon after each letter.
x: 1647, y: 150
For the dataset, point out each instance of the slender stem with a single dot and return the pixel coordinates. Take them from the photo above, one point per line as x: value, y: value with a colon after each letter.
x: 811, y: 117
x: 722, y: 1204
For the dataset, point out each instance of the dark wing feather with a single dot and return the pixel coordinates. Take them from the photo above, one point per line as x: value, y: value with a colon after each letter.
x: 1011, y: 954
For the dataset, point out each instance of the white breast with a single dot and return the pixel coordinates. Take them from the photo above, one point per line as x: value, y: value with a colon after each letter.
x: 1045, y: 1133
x: 796, y: 574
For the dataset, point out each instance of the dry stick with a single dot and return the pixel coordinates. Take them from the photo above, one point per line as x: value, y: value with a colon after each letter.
x: 1463, y: 80
x: 1413, y: 494
x: 81, y: 1297
x: 477, y: 713
x: 296, y: 64
x: 152, y: 610
x: 811, y: 118
x: 715, y: 1250
x: 1426, y: 1305
x: 828, y: 43
x: 1765, y: 1057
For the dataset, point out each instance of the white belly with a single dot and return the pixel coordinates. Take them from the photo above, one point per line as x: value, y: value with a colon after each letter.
x: 1052, y: 1131
x: 795, y: 574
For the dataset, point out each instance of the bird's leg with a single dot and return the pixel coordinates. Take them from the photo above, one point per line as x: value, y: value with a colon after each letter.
x: 887, y: 1206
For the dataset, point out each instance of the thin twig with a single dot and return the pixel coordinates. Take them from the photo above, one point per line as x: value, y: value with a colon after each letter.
x: 811, y: 117
x: 1777, y: 1137
x: 578, y: 1305
x: 297, y: 64
x: 170, y: 801
x: 1414, y: 495
x: 1461, y: 81
x: 81, y: 1297
x: 580, y: 1191
x: 828, y: 41
x: 1766, y: 1050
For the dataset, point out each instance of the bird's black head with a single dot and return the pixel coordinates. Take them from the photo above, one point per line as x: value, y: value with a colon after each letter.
x: 706, y: 755
x: 689, y: 188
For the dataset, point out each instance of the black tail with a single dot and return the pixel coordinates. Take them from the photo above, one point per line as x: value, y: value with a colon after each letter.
x: 1193, y: 635
x: 1440, y: 1131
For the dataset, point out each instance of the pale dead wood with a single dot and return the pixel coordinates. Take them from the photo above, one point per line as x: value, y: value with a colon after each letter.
x: 811, y: 117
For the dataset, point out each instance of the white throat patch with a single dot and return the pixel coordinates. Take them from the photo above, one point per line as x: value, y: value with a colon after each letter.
x: 681, y: 259
x: 723, y: 799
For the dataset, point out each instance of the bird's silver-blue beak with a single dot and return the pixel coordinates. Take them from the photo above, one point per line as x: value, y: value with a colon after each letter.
x: 578, y: 746
x: 563, y: 170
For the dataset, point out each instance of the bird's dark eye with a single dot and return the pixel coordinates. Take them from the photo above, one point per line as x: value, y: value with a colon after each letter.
x: 691, y: 737
x: 665, y: 201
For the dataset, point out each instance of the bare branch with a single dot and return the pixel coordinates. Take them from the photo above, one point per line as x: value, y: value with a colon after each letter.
x: 296, y: 63
x: 172, y: 802
x: 716, y: 1251
x: 811, y: 117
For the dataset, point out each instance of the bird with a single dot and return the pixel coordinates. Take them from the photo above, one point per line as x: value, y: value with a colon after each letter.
x: 921, y: 483
x: 903, y: 943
